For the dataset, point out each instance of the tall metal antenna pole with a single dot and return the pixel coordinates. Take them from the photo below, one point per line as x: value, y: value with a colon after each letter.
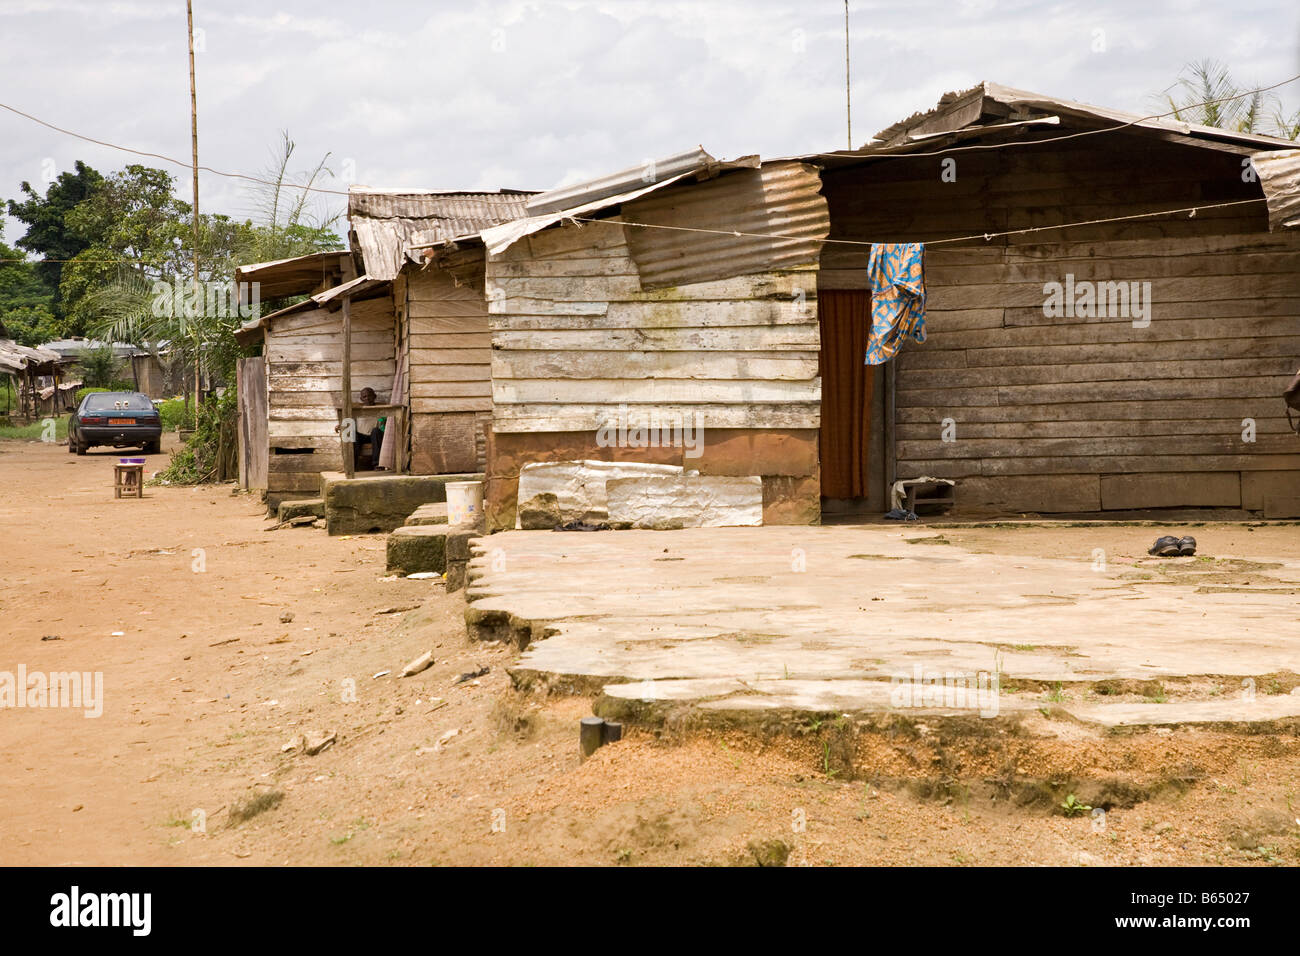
x: 848, y: 101
x: 194, y: 144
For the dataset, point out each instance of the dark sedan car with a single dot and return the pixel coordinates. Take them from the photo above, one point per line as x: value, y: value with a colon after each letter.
x: 118, y: 419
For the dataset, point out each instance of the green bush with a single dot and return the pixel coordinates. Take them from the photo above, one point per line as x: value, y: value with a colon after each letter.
x: 118, y: 386
x: 174, y: 414
x: 98, y: 366
x: 198, y: 461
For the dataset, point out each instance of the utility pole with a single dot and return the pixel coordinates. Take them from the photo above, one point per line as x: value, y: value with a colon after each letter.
x: 848, y: 99
x: 194, y: 149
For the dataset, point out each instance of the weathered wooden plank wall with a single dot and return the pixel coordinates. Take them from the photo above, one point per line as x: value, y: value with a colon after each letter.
x: 450, y: 366
x: 575, y: 336
x: 304, y: 367
x: 1047, y: 409
x: 586, y: 331
x: 250, y: 374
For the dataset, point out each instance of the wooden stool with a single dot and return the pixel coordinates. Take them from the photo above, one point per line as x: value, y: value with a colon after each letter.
x: 128, y: 481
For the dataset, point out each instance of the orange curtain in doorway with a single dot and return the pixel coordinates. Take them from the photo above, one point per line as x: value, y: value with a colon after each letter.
x: 847, y: 383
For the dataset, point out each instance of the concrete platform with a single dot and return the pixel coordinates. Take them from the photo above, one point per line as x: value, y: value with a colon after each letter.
x: 875, y: 619
x: 379, y: 502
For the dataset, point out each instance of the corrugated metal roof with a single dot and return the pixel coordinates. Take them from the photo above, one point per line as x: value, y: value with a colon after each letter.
x: 297, y: 276
x: 966, y: 107
x: 247, y: 333
x: 994, y: 108
x: 500, y: 238
x: 594, y: 195
x: 15, y: 357
x: 779, y: 198
x: 387, y: 223
x: 625, y: 181
x: 1279, y: 175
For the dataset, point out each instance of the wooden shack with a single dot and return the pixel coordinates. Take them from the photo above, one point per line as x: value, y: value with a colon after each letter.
x: 1157, y: 386
x: 426, y: 244
x: 419, y: 338
x: 709, y: 290
x: 597, y: 321
x: 303, y: 356
x: 38, y: 379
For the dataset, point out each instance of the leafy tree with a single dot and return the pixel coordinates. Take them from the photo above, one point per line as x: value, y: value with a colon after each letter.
x: 128, y: 303
x: 129, y: 245
x: 98, y: 366
x: 30, y: 325
x: 48, y: 233
x: 134, y: 227
x: 25, y: 302
x: 1286, y: 126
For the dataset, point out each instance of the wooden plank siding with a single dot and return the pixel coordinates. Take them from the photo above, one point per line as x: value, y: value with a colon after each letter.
x: 304, y: 369
x: 251, y: 385
x: 1032, y: 395
x: 574, y: 337
x: 586, y: 330
x: 450, y: 366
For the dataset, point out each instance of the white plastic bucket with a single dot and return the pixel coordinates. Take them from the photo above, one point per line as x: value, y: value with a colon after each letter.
x: 464, y: 501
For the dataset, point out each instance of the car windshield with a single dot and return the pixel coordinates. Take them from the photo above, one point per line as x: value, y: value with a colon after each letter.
x: 115, y: 401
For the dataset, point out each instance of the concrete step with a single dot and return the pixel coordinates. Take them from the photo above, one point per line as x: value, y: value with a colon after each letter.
x: 379, y: 503
x: 299, y: 508
x: 432, y: 547
x: 433, y: 513
x: 415, y: 548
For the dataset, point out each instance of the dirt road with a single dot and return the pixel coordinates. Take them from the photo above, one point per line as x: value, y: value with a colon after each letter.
x: 220, y: 642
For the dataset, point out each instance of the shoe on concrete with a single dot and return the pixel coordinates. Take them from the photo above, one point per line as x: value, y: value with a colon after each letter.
x: 1187, y: 546
x: 1165, y: 547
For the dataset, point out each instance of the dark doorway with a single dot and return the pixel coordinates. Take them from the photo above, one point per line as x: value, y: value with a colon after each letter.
x: 851, y: 416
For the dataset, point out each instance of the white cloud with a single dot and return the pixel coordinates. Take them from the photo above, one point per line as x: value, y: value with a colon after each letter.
x: 481, y: 94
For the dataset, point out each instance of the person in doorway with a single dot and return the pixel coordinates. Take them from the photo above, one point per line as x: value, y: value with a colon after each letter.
x: 374, y: 435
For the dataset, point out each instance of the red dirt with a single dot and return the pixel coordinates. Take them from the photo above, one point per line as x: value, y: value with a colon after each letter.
x: 205, y: 685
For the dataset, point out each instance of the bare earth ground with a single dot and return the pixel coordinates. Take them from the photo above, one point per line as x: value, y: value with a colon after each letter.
x: 205, y: 685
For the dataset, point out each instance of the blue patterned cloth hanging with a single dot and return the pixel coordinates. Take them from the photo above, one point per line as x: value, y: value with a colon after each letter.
x: 896, y: 273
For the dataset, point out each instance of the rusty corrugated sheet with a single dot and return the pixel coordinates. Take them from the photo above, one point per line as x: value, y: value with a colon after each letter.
x: 386, y: 224
x: 967, y: 108
x: 15, y: 357
x: 297, y: 276
x: 500, y: 238
x: 622, y: 182
x: 1279, y: 175
x: 781, y: 198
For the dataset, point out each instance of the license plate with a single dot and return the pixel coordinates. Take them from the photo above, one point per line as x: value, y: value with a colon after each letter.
x: 121, y: 421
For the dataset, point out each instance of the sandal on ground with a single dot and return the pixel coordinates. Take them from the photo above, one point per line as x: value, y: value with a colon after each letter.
x: 1165, y: 547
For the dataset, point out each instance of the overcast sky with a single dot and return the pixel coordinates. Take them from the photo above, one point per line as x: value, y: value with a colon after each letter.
x: 477, y: 95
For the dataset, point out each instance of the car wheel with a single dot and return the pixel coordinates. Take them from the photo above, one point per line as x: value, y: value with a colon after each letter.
x: 81, y: 449
x: 152, y: 447
x: 72, y: 445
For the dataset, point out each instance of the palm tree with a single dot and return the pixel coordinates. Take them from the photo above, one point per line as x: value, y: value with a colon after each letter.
x: 129, y: 309
x: 1206, y: 94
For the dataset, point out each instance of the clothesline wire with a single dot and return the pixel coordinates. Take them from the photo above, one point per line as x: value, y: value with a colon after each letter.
x: 343, y: 192
x: 1063, y: 136
x: 1191, y: 210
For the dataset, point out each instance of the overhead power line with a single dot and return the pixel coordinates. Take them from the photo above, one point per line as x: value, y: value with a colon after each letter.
x: 168, y: 159
x: 343, y: 192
